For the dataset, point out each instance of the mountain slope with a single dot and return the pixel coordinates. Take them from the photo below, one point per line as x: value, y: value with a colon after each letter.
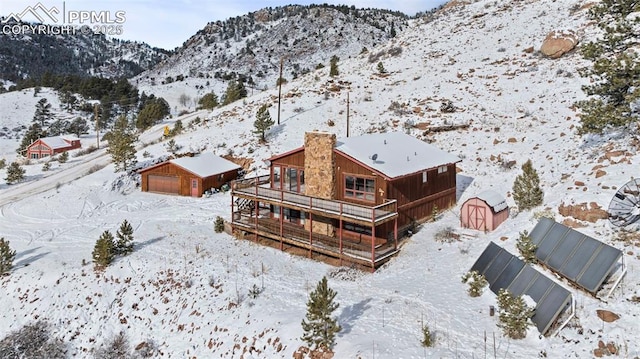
x: 74, y: 54
x: 251, y: 46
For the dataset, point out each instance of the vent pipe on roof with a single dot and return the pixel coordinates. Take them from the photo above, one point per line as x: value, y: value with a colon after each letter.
x: 385, y: 142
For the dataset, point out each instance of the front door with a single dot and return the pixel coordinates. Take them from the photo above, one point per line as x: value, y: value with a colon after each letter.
x: 477, y: 217
x: 194, y: 188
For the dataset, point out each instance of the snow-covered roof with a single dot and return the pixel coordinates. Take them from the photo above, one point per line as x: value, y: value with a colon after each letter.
x: 493, y: 199
x: 205, y: 164
x: 394, y: 154
x: 56, y: 142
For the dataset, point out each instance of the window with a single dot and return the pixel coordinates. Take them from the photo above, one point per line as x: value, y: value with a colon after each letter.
x: 442, y: 169
x: 424, y: 176
x: 359, y: 188
x: 275, y: 183
x: 34, y: 155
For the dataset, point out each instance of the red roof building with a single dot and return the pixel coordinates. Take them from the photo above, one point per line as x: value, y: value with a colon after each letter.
x: 49, y: 146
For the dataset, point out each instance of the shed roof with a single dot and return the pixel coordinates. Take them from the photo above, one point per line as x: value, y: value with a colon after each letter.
x: 205, y: 164
x: 394, y: 154
x: 55, y: 142
x: 493, y: 199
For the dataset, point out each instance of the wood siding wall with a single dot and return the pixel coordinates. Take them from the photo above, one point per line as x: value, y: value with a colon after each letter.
x: 169, y: 169
x: 416, y: 200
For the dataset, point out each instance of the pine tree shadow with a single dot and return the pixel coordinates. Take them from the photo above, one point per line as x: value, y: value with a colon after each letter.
x: 350, y: 314
x: 27, y: 261
x: 140, y: 245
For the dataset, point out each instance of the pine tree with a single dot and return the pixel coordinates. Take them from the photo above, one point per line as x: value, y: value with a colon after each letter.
x: 235, y: 91
x: 263, y: 122
x: 476, y: 281
x: 319, y: 327
x: 218, y: 225
x: 103, y: 252
x: 614, y: 89
x: 208, y: 101
x: 78, y: 126
x: 153, y: 111
x: 526, y: 188
x: 525, y: 246
x: 124, y: 243
x: 514, y: 317
x: 15, y: 173
x: 427, y: 338
x: 121, y: 145
x: 42, y: 114
x: 64, y: 157
x: 33, y: 133
x: 333, y: 63
x: 177, y: 128
x: 381, y: 68
x: 6, y: 257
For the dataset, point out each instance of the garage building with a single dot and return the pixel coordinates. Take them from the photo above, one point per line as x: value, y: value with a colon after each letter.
x: 189, y: 176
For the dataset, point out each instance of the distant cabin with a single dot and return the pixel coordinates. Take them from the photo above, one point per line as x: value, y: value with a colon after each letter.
x: 189, y: 176
x: 49, y: 146
x: 484, y: 212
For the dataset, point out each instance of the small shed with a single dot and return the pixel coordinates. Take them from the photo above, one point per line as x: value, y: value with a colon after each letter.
x: 49, y: 146
x: 189, y: 176
x: 485, y: 212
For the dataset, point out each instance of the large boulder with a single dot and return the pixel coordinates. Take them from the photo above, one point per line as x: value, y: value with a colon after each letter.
x: 558, y: 43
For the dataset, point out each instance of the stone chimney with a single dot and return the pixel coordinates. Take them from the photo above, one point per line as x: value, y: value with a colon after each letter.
x: 319, y: 175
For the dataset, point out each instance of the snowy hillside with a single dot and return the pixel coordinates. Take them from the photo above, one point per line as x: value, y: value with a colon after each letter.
x: 186, y: 288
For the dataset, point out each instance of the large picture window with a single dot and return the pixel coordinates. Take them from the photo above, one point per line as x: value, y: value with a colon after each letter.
x: 359, y: 188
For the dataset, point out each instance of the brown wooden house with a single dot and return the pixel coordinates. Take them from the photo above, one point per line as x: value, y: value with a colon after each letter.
x: 347, y: 198
x: 49, y: 146
x: 189, y: 176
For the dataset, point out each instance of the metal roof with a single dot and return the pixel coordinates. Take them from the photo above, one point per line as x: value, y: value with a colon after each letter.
x: 55, y: 142
x: 504, y: 270
x: 584, y: 260
x: 394, y: 154
x: 492, y: 198
x: 205, y: 164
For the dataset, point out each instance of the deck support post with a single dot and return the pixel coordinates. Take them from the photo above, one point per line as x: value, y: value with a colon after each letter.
x: 281, y: 220
x: 373, y: 240
x: 310, y: 234
x: 340, y: 234
x: 395, y: 233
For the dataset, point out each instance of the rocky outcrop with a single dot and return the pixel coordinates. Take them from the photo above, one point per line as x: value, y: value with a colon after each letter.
x: 558, y: 43
x: 585, y: 212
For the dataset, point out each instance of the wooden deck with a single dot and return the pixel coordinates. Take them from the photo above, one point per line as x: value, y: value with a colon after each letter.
x: 253, y: 189
x: 251, y: 214
x: 348, y: 249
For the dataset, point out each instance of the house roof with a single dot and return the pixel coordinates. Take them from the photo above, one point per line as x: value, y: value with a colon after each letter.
x: 493, y: 199
x: 394, y: 154
x: 205, y: 164
x: 56, y: 142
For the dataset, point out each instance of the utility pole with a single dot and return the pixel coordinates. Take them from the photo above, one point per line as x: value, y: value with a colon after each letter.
x: 95, y: 114
x: 347, y: 114
x: 280, y: 87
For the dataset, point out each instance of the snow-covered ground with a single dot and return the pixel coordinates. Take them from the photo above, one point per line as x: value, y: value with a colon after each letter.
x: 187, y: 288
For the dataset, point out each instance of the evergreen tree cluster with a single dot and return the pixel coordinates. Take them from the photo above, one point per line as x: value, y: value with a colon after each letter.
x: 153, y: 110
x: 208, y: 101
x: 614, y: 90
x: 514, y: 315
x: 333, y: 66
x: 319, y: 327
x: 6, y: 257
x: 107, y: 248
x: 235, y: 91
x: 526, y: 188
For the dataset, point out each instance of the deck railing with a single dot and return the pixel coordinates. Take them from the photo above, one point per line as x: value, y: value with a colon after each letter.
x: 253, y: 187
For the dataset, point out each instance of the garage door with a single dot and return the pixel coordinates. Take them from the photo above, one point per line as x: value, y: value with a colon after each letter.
x: 164, y: 184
